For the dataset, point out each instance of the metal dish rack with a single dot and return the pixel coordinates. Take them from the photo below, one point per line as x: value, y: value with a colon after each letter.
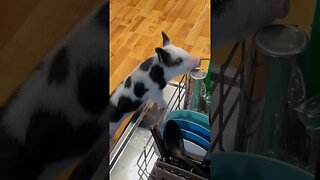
x: 148, y: 156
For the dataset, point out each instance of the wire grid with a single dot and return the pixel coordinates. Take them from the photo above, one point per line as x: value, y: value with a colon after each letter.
x: 145, y: 172
x: 146, y: 159
x: 218, y: 113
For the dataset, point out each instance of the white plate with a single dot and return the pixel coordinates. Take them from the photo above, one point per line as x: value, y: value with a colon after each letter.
x: 193, y: 150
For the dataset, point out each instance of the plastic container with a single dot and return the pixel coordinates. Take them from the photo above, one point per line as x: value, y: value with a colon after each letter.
x: 165, y: 171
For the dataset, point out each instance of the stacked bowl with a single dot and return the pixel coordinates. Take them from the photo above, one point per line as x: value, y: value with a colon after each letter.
x: 195, y: 130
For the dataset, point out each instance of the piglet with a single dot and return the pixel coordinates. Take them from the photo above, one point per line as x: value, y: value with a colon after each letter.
x: 148, y: 80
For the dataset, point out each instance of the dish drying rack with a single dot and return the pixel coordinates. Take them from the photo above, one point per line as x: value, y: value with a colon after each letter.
x: 148, y: 159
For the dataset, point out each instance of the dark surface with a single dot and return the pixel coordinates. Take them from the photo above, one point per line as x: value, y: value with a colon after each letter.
x: 317, y: 170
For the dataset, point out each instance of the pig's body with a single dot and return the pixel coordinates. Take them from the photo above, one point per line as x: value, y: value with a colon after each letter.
x: 233, y: 20
x: 148, y: 80
x: 61, y: 108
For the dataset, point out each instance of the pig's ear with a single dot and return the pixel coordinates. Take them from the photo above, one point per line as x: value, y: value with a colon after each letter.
x: 164, y: 56
x: 166, y: 40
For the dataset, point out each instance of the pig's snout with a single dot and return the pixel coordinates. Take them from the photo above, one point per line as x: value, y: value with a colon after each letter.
x: 196, y: 62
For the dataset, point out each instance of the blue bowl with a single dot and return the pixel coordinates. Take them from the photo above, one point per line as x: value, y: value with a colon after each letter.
x: 195, y: 139
x: 194, y: 128
x: 190, y: 115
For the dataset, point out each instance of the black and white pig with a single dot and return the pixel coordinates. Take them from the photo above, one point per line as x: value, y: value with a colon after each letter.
x: 233, y: 20
x: 60, y: 110
x: 148, y: 80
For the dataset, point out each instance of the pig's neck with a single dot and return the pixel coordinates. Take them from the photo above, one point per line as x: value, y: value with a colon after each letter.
x: 168, y: 73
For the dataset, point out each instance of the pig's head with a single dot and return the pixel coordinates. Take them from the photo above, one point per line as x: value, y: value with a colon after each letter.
x: 233, y: 20
x: 175, y: 60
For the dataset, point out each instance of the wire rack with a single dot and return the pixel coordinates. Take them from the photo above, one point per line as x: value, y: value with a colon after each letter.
x: 148, y: 156
x: 179, y: 100
x: 221, y: 80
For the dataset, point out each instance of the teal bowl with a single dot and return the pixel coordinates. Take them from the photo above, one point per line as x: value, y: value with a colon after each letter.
x: 189, y: 115
x: 245, y: 166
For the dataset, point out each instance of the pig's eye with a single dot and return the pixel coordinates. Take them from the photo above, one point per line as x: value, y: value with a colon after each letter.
x: 179, y: 60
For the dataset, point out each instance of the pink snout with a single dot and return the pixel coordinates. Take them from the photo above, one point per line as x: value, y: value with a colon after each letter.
x: 196, y: 62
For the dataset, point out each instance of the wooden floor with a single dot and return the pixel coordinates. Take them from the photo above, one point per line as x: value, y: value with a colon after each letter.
x: 136, y: 25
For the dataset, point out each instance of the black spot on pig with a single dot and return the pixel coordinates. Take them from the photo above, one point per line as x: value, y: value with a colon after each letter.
x: 114, y: 114
x: 128, y: 82
x: 50, y: 136
x: 85, y: 136
x: 14, y: 159
x: 139, y: 89
x: 59, y: 68
x: 136, y: 104
x: 157, y: 75
x: 126, y: 105
x: 166, y: 59
x: 93, y: 88
x: 146, y: 64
